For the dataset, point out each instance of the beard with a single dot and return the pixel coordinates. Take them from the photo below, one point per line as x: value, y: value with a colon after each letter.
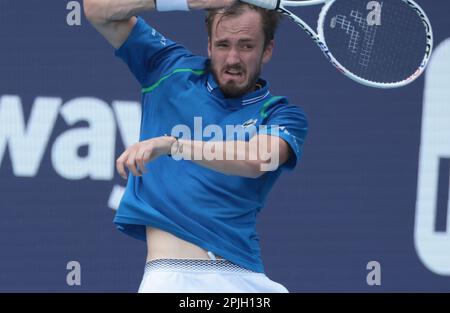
x: 231, y: 89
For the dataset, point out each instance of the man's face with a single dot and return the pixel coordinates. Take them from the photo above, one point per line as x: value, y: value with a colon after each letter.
x: 237, y: 52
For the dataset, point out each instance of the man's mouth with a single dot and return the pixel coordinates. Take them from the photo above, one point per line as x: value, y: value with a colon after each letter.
x: 234, y: 73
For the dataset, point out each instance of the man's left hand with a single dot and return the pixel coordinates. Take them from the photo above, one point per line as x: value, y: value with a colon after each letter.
x: 136, y: 156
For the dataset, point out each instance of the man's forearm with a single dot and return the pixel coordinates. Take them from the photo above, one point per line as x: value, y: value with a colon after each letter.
x: 119, y: 10
x: 241, y: 158
x: 115, y: 10
x: 114, y: 19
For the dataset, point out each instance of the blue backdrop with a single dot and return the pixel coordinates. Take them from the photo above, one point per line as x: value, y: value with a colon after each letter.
x: 373, y: 184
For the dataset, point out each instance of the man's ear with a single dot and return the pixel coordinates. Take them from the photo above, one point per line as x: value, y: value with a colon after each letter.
x: 267, y: 53
x: 209, y: 47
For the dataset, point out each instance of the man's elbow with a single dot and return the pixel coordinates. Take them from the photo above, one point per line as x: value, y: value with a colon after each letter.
x: 259, y: 168
x: 94, y: 10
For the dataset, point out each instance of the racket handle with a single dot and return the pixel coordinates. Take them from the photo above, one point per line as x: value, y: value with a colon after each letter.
x: 266, y: 4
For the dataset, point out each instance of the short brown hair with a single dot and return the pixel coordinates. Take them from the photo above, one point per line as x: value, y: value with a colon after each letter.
x: 270, y: 18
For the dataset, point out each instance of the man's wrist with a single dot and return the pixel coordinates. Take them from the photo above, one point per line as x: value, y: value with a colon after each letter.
x: 170, y: 142
x: 266, y: 4
x: 197, y: 4
x: 172, y: 5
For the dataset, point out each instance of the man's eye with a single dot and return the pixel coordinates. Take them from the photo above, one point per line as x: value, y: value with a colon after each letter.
x: 248, y: 47
x: 222, y: 45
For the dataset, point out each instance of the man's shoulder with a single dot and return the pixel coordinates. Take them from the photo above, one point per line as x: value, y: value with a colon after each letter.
x: 191, y: 61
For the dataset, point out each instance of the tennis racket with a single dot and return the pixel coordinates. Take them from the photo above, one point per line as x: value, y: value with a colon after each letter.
x: 382, y: 44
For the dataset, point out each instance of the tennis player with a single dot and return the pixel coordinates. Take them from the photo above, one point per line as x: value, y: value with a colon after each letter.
x: 198, y: 214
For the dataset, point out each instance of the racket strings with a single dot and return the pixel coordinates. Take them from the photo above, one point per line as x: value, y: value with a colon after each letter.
x: 389, y: 52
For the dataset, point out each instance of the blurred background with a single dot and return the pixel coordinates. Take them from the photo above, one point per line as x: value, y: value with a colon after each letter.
x: 373, y: 184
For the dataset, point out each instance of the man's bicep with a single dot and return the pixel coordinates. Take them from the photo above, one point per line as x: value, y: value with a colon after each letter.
x: 115, y: 32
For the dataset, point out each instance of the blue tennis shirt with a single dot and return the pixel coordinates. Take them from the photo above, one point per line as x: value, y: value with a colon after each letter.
x: 212, y: 210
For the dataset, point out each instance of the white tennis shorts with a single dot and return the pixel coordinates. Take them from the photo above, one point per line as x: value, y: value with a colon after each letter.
x: 198, y: 275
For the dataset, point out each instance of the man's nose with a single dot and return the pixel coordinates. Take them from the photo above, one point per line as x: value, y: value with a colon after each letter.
x: 233, y: 57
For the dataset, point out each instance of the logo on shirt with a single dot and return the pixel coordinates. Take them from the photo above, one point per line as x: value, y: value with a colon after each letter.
x: 249, y: 123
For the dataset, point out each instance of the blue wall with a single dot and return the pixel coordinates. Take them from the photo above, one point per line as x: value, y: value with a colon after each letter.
x: 374, y: 176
